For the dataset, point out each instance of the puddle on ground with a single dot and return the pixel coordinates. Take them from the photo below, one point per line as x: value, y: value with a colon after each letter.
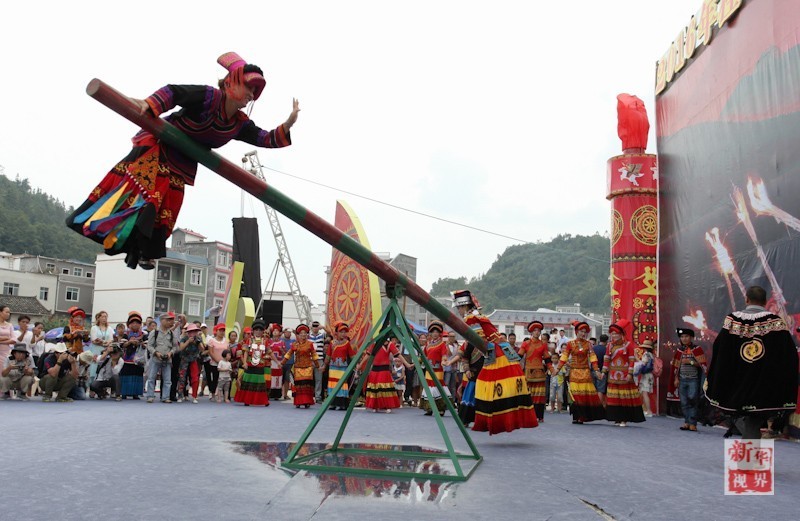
x: 412, y: 489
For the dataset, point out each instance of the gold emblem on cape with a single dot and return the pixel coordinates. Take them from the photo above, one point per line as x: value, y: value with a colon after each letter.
x: 752, y: 350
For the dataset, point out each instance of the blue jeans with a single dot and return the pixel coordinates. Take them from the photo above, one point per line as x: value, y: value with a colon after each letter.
x: 450, y: 381
x: 688, y: 390
x: 165, y: 366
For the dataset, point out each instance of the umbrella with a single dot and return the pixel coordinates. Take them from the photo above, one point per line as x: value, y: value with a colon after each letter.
x: 54, y: 334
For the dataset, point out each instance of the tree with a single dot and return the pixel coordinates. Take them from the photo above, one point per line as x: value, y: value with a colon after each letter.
x: 565, y: 270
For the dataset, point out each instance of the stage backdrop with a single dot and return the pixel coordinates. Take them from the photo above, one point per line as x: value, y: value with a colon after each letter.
x: 353, y: 291
x: 729, y: 162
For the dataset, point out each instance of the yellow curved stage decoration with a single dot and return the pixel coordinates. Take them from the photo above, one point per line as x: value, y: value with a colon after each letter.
x: 353, y: 291
x: 238, y: 312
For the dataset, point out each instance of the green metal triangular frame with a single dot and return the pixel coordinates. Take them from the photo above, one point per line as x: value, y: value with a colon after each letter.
x: 391, y: 323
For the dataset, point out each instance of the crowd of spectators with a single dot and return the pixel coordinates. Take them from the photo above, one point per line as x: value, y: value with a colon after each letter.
x: 183, y: 361
x: 168, y: 357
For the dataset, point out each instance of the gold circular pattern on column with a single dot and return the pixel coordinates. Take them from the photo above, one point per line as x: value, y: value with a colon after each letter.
x: 617, y: 226
x: 644, y: 225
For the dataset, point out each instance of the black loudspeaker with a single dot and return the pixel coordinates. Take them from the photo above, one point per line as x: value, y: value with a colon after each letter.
x: 245, y: 249
x: 271, y: 312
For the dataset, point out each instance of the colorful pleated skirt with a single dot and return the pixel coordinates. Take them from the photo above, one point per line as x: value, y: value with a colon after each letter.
x: 381, y: 392
x: 623, y: 402
x: 303, y: 389
x: 439, y: 400
x: 336, y: 371
x: 466, y: 409
x: 254, y: 389
x: 134, y: 208
x: 586, y: 405
x: 502, y: 402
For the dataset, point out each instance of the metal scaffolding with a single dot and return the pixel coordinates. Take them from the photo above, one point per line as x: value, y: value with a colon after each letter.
x: 253, y: 165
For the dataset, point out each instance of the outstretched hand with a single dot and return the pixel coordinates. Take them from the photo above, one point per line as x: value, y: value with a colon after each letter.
x: 292, y: 119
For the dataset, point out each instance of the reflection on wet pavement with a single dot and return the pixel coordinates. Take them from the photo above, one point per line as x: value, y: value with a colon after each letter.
x: 274, y: 453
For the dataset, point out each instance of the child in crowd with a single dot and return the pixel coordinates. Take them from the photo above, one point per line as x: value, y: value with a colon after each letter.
x: 557, y: 386
x: 399, y: 377
x: 224, y: 384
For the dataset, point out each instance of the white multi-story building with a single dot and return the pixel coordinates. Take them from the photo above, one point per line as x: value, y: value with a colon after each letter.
x: 516, y: 321
x: 220, y: 261
x: 57, y: 284
x: 178, y: 283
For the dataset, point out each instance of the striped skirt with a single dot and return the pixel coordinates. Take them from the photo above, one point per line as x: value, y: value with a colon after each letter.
x: 254, y: 389
x: 502, y: 402
x: 335, y: 373
x: 381, y: 393
x: 623, y: 402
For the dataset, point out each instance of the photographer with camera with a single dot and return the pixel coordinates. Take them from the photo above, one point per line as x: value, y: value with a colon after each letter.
x: 17, y: 372
x: 61, y: 372
x: 109, y: 364
x: 161, y: 344
x: 190, y: 348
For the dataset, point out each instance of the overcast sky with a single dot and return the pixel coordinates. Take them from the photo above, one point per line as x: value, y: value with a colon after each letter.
x: 499, y: 115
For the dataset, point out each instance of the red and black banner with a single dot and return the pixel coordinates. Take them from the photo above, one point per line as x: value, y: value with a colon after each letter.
x: 729, y: 163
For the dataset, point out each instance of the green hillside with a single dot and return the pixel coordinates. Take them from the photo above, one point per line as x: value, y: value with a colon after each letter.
x: 565, y: 270
x: 33, y: 222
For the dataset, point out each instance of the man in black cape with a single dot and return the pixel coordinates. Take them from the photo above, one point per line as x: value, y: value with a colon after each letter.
x: 753, y: 371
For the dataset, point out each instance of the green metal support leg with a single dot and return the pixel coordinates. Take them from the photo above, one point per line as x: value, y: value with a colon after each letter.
x: 391, y: 323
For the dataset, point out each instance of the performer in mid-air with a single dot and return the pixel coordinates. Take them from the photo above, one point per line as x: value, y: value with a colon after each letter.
x: 502, y: 401
x: 623, y: 401
x: 537, y: 362
x: 135, y: 207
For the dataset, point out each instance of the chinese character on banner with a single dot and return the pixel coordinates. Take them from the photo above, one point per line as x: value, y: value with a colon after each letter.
x: 749, y: 467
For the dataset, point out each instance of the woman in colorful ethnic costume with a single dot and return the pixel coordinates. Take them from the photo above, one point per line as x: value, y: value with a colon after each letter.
x: 237, y: 360
x: 537, y: 362
x: 586, y: 405
x: 131, y: 377
x: 339, y: 355
x: 278, y: 349
x: 502, y: 402
x: 257, y: 359
x: 623, y: 400
x: 305, y: 358
x: 753, y: 370
x: 134, y: 208
x: 74, y: 333
x: 435, y: 351
x: 381, y: 394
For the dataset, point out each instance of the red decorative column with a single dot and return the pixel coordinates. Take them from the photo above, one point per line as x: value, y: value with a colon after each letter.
x: 633, y: 192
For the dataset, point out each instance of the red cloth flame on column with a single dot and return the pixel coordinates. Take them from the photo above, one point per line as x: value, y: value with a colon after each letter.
x: 632, y: 122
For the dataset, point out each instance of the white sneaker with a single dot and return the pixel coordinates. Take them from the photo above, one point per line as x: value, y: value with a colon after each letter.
x: 180, y: 400
x: 194, y: 400
x: 623, y: 424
